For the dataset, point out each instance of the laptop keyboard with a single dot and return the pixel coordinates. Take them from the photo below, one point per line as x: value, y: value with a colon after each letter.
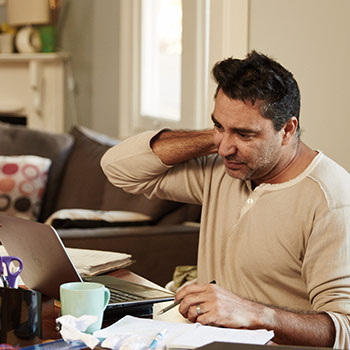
x: 118, y: 296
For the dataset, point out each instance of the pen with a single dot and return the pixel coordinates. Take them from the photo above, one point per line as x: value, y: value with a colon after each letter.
x: 158, y: 339
x: 4, y: 281
x: 169, y: 307
x: 175, y: 303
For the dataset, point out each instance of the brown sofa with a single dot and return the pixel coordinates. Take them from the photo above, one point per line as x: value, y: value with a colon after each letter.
x: 168, y: 237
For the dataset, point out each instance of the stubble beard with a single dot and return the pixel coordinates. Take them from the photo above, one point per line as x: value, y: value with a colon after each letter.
x: 261, y: 164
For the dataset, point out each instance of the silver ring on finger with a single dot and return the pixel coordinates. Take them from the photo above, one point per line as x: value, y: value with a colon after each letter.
x: 198, y: 309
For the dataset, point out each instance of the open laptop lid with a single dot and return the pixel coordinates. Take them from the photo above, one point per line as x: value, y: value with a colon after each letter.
x: 46, y: 264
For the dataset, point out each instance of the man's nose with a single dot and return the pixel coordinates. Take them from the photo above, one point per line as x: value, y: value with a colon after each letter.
x: 227, y: 146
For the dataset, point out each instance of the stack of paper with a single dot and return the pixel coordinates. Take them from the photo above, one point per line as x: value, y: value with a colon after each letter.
x: 176, y: 335
x: 94, y: 262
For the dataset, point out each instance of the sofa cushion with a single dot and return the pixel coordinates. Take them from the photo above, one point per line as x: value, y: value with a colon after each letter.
x: 19, y: 140
x: 85, y: 218
x: 22, y: 185
x: 85, y: 186
x: 83, y: 180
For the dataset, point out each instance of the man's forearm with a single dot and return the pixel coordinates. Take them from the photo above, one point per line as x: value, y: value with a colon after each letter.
x: 222, y: 308
x: 291, y: 328
x: 174, y: 147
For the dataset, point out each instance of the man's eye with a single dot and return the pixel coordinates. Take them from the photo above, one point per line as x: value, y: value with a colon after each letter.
x: 245, y: 136
x: 217, y: 126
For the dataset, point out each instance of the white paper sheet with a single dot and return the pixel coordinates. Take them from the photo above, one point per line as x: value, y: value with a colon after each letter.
x: 173, y: 315
x: 203, y: 335
x: 182, y: 335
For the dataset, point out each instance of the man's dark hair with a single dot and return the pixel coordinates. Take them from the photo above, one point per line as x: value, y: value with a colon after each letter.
x: 258, y: 77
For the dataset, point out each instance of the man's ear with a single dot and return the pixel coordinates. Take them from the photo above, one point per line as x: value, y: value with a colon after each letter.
x: 289, y: 130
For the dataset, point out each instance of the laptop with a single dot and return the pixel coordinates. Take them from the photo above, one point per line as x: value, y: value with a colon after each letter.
x: 46, y: 265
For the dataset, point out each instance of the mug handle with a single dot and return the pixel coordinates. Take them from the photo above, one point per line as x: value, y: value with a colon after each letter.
x: 107, y: 296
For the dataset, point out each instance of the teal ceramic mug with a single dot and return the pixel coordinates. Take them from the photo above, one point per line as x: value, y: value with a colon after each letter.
x: 84, y: 298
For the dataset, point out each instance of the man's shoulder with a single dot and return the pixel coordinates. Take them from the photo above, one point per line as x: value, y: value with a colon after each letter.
x: 328, y: 169
x: 333, y: 180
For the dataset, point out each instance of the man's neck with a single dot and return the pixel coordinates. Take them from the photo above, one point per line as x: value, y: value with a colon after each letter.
x: 293, y: 165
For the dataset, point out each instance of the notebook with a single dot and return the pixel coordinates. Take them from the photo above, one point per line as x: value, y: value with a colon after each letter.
x: 46, y: 265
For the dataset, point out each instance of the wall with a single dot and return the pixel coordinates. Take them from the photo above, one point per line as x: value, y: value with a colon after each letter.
x: 311, y: 39
x: 2, y: 13
x: 105, y: 69
x: 89, y: 32
x: 74, y: 36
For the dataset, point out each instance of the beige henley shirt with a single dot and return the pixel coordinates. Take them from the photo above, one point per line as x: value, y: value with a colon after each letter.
x: 286, y: 244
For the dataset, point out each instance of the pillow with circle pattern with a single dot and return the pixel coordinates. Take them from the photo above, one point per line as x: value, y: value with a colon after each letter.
x: 22, y: 185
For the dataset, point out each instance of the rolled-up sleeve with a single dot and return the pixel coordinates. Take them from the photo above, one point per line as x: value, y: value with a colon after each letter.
x: 326, y: 270
x: 342, y: 329
x: 134, y: 167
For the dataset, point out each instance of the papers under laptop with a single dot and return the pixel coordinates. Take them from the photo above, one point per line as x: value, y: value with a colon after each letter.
x: 46, y: 265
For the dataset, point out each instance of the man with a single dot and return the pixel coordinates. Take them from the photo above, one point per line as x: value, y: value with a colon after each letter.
x: 275, y: 213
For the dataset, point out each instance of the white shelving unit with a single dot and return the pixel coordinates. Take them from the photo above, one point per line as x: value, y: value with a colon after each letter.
x: 32, y: 85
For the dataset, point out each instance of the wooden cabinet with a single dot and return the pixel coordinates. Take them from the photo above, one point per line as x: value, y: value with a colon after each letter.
x: 32, y: 86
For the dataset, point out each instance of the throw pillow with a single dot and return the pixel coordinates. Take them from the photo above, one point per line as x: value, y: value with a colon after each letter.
x: 83, y: 180
x: 22, y: 185
x: 84, y: 218
x: 16, y: 140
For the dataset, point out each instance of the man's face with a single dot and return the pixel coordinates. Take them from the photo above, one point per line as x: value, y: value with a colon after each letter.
x: 248, y: 143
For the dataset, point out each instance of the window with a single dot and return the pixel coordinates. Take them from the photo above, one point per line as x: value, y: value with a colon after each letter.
x: 163, y: 64
x: 161, y: 52
x: 189, y: 36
